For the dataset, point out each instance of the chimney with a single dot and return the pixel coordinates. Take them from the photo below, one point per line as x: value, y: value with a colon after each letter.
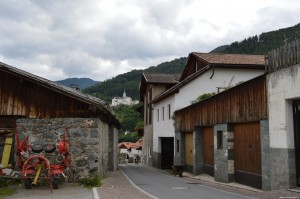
x: 74, y: 87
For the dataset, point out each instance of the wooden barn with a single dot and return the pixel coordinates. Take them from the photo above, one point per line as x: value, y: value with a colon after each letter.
x: 222, y: 135
x: 43, y: 107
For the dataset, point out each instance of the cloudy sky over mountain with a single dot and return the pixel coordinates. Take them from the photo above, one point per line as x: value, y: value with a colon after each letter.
x: 99, y: 39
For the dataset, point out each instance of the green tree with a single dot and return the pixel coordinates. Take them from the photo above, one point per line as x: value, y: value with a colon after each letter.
x: 129, y: 117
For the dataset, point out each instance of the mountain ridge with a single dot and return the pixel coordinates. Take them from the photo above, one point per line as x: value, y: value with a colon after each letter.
x: 82, y: 83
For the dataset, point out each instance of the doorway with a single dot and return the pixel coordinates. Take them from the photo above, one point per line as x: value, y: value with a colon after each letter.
x: 167, y: 152
x: 296, y: 113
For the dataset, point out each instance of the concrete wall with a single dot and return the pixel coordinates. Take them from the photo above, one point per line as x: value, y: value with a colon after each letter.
x: 91, y: 143
x: 283, y: 87
x: 198, y: 166
x: 113, y: 149
x: 148, y: 145
x: 179, y: 158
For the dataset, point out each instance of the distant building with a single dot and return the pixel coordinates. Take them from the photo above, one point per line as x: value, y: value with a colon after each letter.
x: 123, y: 100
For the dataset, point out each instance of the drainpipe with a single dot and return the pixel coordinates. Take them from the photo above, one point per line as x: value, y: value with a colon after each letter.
x: 213, y: 68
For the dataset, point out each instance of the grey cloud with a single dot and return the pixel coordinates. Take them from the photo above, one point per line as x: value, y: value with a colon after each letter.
x: 86, y: 38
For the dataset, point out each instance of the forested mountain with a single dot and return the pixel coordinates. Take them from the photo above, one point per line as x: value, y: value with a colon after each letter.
x: 130, y: 81
x: 263, y: 43
x: 82, y: 83
x: 252, y: 45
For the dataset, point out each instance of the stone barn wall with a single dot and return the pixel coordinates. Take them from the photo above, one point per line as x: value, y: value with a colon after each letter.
x: 89, y: 142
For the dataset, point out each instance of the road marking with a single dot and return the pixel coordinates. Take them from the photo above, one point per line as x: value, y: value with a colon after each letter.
x: 148, y: 194
x: 179, y: 188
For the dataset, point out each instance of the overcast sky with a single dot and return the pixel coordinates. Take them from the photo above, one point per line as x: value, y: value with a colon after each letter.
x: 99, y: 39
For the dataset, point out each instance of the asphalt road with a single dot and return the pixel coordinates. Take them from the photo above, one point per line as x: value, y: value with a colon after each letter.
x: 164, y: 186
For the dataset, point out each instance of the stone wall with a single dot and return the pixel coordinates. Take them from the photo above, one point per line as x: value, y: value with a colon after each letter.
x: 89, y: 142
x: 223, y: 157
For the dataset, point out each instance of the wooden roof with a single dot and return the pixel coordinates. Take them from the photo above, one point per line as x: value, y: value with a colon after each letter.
x: 221, y: 60
x: 161, y: 78
x: 67, y: 91
x: 240, y: 59
x: 152, y: 78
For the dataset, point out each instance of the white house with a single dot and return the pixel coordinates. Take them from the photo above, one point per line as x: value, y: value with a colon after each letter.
x: 152, y: 85
x: 203, y: 73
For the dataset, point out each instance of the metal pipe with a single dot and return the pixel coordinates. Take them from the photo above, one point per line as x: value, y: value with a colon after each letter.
x: 40, y: 166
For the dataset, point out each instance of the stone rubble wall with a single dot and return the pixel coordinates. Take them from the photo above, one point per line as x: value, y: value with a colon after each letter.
x: 89, y: 142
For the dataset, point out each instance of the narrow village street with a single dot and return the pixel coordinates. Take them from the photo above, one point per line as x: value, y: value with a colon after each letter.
x: 139, y: 182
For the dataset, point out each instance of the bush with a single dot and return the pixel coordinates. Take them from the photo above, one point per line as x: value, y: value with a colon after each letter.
x: 92, y: 182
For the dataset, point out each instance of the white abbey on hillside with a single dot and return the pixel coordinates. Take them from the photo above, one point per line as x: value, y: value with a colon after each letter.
x: 125, y: 100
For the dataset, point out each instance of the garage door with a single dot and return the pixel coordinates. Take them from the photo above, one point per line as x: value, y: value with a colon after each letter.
x: 208, y: 150
x: 247, y: 153
x: 189, y: 149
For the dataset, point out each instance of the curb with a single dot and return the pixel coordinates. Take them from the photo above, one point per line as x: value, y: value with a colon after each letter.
x: 95, y: 192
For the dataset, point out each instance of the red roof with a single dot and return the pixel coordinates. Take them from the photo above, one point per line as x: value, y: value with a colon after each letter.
x: 128, y: 145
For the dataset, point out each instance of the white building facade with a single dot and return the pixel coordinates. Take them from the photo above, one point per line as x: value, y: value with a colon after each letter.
x: 205, y: 80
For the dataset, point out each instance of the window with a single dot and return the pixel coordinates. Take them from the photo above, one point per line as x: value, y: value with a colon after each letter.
x: 163, y: 113
x: 219, y: 139
x: 157, y: 114
x: 169, y: 111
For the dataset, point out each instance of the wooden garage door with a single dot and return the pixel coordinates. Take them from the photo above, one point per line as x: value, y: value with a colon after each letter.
x: 7, y: 129
x: 208, y: 150
x: 247, y: 153
x: 189, y: 148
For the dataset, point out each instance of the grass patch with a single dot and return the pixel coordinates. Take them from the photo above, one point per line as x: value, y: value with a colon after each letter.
x: 6, y: 191
x: 94, y: 181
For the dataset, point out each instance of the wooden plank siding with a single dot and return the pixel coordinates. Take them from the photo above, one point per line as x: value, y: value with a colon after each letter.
x: 208, y: 146
x: 247, y: 148
x: 243, y: 103
x: 23, y: 98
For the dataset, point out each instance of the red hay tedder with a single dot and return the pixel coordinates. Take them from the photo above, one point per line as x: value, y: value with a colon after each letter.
x: 36, y: 166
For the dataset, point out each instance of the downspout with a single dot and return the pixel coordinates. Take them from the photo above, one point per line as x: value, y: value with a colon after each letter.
x: 213, y: 68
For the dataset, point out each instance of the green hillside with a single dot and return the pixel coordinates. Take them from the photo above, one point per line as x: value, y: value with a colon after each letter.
x: 110, y: 88
x: 263, y: 43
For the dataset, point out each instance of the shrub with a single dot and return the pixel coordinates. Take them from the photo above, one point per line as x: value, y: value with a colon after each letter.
x: 94, y: 181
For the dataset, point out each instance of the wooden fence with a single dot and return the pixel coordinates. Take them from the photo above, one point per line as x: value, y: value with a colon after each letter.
x: 285, y: 56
